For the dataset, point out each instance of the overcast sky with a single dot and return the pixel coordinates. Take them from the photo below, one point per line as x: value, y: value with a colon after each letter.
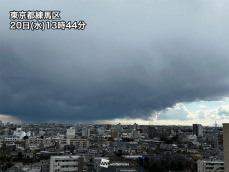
x: 140, y: 61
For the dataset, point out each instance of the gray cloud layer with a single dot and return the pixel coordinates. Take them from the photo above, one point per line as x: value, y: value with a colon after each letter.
x: 129, y: 61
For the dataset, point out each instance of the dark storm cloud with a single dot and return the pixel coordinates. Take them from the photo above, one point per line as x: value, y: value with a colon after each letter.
x: 110, y: 72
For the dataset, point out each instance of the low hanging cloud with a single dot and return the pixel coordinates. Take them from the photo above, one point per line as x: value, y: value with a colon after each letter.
x: 178, y: 115
x: 177, y: 112
x: 180, y: 112
x: 221, y: 112
x: 114, y: 71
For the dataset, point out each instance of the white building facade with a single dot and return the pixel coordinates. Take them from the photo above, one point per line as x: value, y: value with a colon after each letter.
x: 19, y: 133
x: 210, y: 166
x: 66, y: 163
x: 70, y: 134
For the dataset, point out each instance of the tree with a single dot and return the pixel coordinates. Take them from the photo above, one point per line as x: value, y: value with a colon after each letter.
x: 154, y: 167
x: 19, y: 155
x: 3, y: 146
x: 172, y: 165
x: 173, y: 139
x: 190, y: 145
x: 164, y: 139
x: 110, y: 139
x: 145, y: 166
x: 179, y: 152
x: 146, y: 159
x: 201, y: 147
x: 119, y: 153
x: 127, y: 139
x: 25, y: 137
x: 42, y: 137
x: 164, y: 163
x: 180, y: 166
x: 7, y: 165
x: 140, y: 161
x: 14, y: 148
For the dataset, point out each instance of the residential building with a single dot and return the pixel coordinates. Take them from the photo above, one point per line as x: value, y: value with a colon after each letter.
x: 11, y: 138
x: 163, y: 132
x: 39, y: 142
x: 85, y: 132
x: 152, y: 132
x: 210, y: 166
x: 135, y: 126
x: 197, y: 129
x: 79, y: 143
x: 19, y: 133
x: 114, y: 132
x: 70, y: 134
x: 66, y: 163
x: 226, y: 145
x: 135, y: 134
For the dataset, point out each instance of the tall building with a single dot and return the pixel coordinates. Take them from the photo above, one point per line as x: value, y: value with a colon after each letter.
x: 85, y: 132
x: 152, y: 132
x: 226, y: 145
x: 108, y: 127
x: 114, y: 132
x: 163, y: 132
x: 135, y: 134
x: 70, y: 134
x: 197, y: 129
x: 118, y: 126
x: 66, y: 163
x: 135, y: 126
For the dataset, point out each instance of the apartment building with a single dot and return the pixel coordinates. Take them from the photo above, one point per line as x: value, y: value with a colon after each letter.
x: 39, y: 142
x: 197, y: 129
x: 152, y: 132
x: 85, y: 132
x: 135, y: 134
x: 210, y: 166
x: 79, y: 143
x: 70, y: 134
x: 66, y: 163
x: 11, y: 138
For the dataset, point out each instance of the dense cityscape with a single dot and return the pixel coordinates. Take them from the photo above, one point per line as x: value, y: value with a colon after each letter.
x: 114, y: 86
x: 51, y: 147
